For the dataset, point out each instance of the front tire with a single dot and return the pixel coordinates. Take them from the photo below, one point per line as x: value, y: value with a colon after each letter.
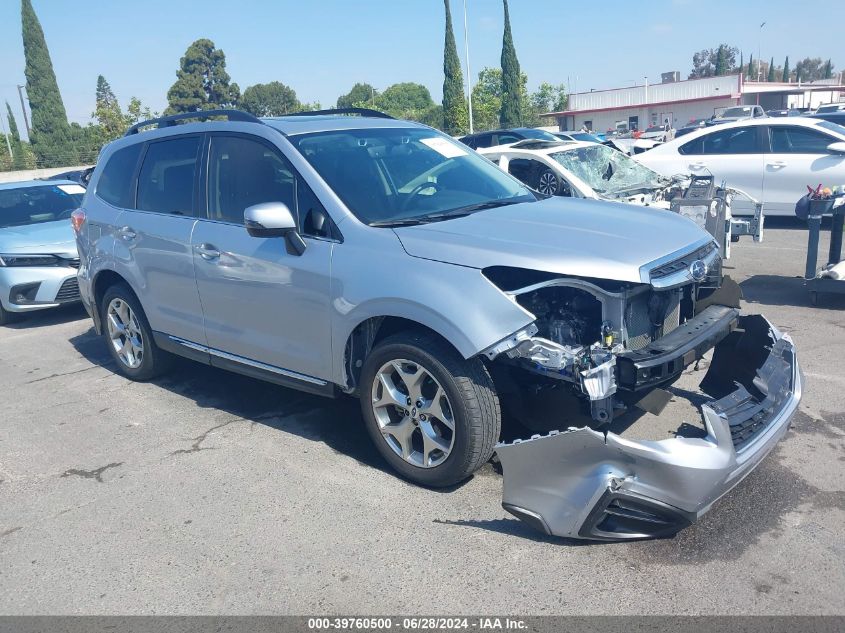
x: 128, y: 335
x: 433, y: 415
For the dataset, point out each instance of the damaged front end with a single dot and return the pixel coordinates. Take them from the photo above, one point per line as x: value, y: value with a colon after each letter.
x: 615, y: 355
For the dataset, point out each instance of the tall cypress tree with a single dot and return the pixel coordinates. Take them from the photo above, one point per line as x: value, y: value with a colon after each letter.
x: 455, y: 113
x: 14, y: 134
x: 721, y: 63
x: 750, y: 73
x: 511, y: 112
x: 785, y: 76
x: 771, y: 76
x: 50, y: 136
x: 741, y: 63
x: 827, y: 73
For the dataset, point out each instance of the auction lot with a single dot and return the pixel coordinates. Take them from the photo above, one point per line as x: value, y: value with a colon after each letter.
x: 205, y: 492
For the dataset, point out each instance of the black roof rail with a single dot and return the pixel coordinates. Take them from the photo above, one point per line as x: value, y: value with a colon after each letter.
x: 168, y: 121
x: 360, y: 111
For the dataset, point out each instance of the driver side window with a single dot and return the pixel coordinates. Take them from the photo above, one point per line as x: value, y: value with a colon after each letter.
x: 242, y: 173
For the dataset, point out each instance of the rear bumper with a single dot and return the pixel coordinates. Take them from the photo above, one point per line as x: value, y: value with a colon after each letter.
x: 582, y: 483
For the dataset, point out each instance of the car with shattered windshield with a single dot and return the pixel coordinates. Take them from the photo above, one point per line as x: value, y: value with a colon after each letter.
x: 347, y: 253
x: 600, y: 172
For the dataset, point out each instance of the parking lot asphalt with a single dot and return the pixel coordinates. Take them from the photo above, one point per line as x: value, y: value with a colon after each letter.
x: 209, y: 493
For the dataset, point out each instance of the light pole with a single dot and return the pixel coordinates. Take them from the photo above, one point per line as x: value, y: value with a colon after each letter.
x: 759, y: 49
x: 23, y: 107
x: 469, y: 72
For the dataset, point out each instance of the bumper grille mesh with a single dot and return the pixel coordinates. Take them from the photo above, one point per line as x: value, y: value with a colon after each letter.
x: 69, y: 291
x: 638, y: 324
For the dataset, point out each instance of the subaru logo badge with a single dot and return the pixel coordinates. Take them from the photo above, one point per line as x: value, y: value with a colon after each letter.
x: 698, y: 270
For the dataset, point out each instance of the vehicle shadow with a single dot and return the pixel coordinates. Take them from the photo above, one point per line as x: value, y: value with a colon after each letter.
x: 337, y: 423
x: 777, y: 290
x: 46, y: 318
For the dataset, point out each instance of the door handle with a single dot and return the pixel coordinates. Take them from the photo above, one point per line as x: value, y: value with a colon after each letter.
x: 127, y: 233
x: 778, y: 164
x: 207, y: 251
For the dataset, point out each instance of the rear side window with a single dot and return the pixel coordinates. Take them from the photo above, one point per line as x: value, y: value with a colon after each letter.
x: 798, y: 140
x: 116, y: 185
x: 739, y: 140
x: 166, y: 182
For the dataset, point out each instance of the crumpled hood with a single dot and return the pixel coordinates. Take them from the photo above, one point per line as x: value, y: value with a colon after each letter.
x: 53, y: 238
x: 585, y: 238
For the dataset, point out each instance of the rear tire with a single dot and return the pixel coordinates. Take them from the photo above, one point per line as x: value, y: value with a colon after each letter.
x: 128, y: 335
x: 433, y: 415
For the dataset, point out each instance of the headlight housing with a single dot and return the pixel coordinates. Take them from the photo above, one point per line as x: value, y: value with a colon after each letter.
x: 22, y: 259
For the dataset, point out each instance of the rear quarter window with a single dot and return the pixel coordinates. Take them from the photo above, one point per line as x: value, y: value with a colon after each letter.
x: 116, y: 185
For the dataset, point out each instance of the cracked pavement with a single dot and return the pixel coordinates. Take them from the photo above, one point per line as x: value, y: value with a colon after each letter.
x: 209, y: 493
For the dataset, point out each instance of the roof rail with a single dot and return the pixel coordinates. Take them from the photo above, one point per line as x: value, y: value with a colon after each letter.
x: 168, y: 121
x: 360, y: 111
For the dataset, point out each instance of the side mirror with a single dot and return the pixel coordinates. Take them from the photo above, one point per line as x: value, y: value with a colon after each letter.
x: 273, y: 219
x: 837, y: 148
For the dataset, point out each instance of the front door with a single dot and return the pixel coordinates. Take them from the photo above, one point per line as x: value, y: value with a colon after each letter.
x: 263, y: 305
x: 798, y: 158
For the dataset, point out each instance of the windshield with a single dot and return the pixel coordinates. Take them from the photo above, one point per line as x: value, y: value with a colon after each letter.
x: 586, y: 136
x: 655, y: 128
x: 829, y: 108
x: 606, y: 170
x: 736, y: 112
x: 34, y: 205
x: 391, y: 175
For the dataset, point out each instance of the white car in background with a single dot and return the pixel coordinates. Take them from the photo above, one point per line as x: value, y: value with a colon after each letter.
x: 600, y: 172
x: 771, y: 159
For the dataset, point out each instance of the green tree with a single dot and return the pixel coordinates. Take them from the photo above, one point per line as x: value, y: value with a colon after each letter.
x: 16, y: 161
x: 406, y: 100
x: 785, y: 76
x: 721, y: 62
x: 361, y: 94
x: 749, y: 73
x: 487, y: 99
x: 50, y: 136
x: 14, y: 134
x: 272, y: 99
x: 511, y: 113
x: 455, y: 113
x: 810, y: 69
x: 827, y: 72
x: 137, y: 112
x: 741, y: 63
x: 771, y: 76
x: 110, y: 119
x: 202, y: 82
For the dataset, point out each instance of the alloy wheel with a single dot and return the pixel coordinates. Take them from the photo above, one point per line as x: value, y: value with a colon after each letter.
x: 548, y: 184
x: 125, y: 333
x: 413, y: 412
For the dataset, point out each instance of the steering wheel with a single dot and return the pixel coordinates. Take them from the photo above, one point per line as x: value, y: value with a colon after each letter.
x: 416, y: 191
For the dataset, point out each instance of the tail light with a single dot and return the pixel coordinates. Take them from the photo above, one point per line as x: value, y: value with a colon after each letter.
x: 76, y: 219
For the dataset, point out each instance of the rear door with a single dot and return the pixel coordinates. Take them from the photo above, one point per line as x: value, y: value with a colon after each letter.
x: 153, y: 245
x: 733, y: 155
x: 264, y: 306
x: 798, y: 157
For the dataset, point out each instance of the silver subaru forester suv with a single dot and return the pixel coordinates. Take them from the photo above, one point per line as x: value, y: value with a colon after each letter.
x: 343, y: 254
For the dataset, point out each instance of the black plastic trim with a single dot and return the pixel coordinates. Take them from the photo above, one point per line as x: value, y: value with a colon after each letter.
x: 663, y: 360
x: 202, y: 115
x: 621, y: 515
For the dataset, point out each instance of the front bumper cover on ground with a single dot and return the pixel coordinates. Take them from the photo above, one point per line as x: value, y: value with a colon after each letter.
x: 584, y: 483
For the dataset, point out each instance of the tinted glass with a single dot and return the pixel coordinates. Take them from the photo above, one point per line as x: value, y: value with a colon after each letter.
x: 389, y: 174
x: 740, y: 140
x: 833, y: 126
x: 115, y: 185
x: 538, y: 134
x: 242, y: 173
x: 799, y: 140
x: 34, y: 205
x: 508, y: 138
x: 166, y: 181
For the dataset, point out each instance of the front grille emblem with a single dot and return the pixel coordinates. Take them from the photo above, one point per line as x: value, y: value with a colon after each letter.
x: 698, y: 270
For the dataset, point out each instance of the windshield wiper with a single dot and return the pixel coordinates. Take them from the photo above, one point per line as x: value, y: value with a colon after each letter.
x: 459, y: 212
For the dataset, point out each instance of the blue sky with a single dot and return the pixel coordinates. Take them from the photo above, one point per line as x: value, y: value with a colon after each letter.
x: 321, y: 47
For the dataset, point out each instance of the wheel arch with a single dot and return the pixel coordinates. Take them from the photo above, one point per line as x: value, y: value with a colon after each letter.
x: 360, y: 341
x: 103, y: 280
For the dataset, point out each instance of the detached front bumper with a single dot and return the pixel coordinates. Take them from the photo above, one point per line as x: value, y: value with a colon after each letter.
x: 583, y: 483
